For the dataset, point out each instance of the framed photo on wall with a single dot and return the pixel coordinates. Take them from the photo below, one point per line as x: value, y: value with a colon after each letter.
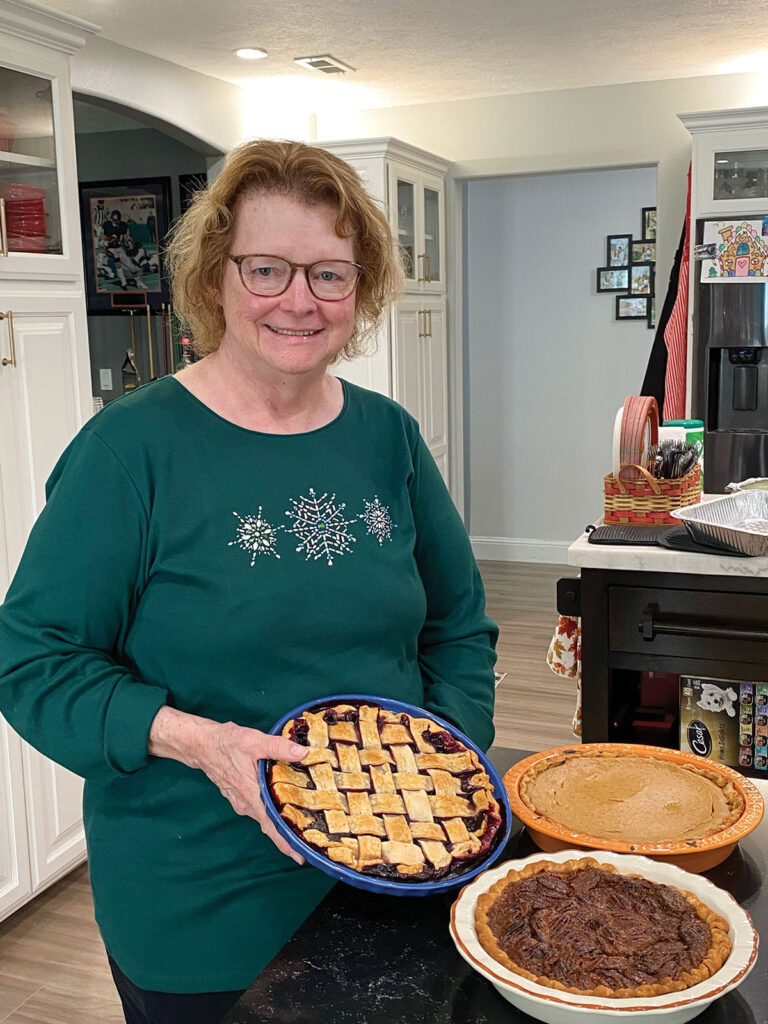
x: 643, y: 251
x: 123, y: 226
x: 641, y: 279
x: 649, y: 223
x: 629, y: 307
x: 613, y: 279
x: 619, y: 251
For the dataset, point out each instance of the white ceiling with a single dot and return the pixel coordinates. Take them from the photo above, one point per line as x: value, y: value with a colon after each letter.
x: 410, y: 52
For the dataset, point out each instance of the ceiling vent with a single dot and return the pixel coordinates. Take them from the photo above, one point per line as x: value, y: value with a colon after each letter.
x: 325, y: 62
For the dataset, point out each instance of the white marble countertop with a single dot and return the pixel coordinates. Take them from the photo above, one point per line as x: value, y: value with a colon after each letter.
x: 654, y: 558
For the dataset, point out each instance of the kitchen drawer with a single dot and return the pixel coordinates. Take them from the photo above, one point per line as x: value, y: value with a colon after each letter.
x: 712, y: 624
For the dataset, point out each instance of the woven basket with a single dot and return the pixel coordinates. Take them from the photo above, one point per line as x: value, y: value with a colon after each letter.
x: 648, y: 501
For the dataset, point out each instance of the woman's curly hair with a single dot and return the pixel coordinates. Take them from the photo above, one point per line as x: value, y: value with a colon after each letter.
x: 199, y: 242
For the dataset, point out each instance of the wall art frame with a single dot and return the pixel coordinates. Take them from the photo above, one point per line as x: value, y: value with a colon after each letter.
x: 124, y: 224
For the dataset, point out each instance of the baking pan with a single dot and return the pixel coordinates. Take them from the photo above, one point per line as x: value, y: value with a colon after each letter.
x: 737, y: 521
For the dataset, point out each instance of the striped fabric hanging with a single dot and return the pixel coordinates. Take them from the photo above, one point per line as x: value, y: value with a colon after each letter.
x: 676, y: 331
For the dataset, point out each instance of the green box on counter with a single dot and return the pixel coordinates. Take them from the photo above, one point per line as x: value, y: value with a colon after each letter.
x: 694, y: 432
x: 725, y: 720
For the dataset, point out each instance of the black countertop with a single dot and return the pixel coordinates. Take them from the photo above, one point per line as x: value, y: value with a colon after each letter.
x: 362, y: 958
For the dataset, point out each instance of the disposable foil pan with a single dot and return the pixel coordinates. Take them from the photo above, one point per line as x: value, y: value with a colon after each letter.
x: 738, y: 522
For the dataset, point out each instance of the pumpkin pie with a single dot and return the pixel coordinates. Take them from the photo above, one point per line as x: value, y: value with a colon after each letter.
x: 630, y: 798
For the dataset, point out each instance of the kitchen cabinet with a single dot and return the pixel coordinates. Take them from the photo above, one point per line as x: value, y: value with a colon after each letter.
x: 15, y: 868
x: 418, y: 221
x: 410, y: 363
x: 37, y: 159
x: 729, y: 175
x: 656, y: 610
x: 44, y: 387
x: 420, y: 363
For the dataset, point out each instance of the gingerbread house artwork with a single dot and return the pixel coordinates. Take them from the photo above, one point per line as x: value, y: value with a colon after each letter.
x: 742, y: 252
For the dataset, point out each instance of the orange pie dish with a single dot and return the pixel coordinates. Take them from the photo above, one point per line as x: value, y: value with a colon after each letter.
x: 630, y: 798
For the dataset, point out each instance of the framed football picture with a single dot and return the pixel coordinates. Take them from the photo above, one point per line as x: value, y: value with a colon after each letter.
x: 123, y: 225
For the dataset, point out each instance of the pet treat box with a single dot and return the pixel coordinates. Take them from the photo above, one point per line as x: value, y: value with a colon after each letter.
x: 726, y: 720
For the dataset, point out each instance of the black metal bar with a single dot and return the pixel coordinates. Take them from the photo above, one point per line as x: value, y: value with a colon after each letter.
x: 650, y: 627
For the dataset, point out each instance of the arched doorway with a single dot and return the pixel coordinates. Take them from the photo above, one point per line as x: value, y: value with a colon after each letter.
x: 136, y: 174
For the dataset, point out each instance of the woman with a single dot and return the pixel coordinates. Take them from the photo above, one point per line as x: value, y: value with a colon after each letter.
x: 220, y: 546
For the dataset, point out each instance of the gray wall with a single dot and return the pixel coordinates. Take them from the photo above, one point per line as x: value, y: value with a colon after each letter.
x: 547, y: 363
x: 125, y: 155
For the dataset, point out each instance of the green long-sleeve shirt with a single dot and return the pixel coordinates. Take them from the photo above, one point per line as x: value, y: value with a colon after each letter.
x: 183, y: 560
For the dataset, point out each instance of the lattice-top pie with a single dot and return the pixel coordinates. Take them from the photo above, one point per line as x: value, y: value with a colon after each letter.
x: 582, y: 926
x: 386, y: 793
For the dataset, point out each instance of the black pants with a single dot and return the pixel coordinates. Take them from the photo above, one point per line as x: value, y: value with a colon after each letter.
x: 142, y: 1006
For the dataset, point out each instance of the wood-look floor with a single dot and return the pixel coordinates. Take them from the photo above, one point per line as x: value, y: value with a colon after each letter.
x: 53, y: 969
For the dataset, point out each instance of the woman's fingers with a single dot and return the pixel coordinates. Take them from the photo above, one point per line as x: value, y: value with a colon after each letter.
x: 278, y: 748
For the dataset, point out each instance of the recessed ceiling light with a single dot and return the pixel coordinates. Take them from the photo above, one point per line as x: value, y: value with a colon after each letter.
x: 325, y: 62
x: 250, y: 53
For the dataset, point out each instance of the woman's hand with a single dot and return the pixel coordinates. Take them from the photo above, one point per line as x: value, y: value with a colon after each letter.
x: 229, y: 756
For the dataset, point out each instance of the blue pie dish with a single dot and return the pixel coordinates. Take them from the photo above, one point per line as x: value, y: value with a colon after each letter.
x: 372, y: 883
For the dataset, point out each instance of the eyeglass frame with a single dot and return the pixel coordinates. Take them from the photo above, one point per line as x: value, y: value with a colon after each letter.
x: 239, y: 260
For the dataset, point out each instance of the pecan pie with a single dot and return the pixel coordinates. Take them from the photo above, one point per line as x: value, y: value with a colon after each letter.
x: 583, y: 927
x: 386, y: 794
x: 629, y: 797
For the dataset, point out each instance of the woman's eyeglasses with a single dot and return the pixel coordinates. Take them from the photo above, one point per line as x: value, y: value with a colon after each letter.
x: 329, y: 280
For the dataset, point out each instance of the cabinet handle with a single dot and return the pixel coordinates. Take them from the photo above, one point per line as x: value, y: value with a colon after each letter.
x: 649, y: 627
x: 422, y: 325
x: 9, y: 317
x: 427, y: 323
x: 423, y: 256
x: 3, y: 230
x: 428, y: 271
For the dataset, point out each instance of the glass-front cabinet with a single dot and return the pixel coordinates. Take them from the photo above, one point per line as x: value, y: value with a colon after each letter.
x: 39, y: 220
x: 29, y: 183
x: 730, y: 161
x: 419, y: 220
x: 432, y: 233
x: 740, y: 174
x: 406, y: 225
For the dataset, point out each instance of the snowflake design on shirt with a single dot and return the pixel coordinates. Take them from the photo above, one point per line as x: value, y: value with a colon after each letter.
x: 320, y: 526
x: 377, y: 520
x: 256, y: 535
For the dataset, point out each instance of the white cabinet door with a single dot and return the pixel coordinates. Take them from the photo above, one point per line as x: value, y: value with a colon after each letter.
x: 432, y: 201
x: 434, y: 373
x: 730, y: 166
x: 55, y: 818
x: 40, y: 164
x: 408, y: 329
x: 420, y: 358
x: 417, y: 215
x: 42, y: 404
x: 405, y: 216
x: 15, y: 879
x: 40, y: 411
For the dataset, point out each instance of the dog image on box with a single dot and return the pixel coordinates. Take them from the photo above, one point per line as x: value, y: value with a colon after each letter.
x: 711, y: 717
x: 716, y: 699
